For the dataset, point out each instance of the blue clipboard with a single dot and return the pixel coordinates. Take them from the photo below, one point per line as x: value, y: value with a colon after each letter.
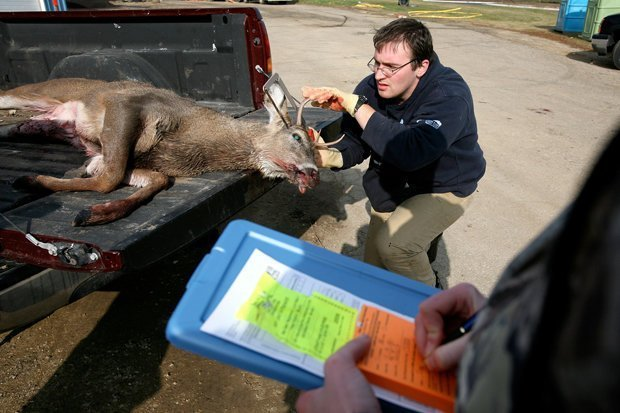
x: 220, y: 267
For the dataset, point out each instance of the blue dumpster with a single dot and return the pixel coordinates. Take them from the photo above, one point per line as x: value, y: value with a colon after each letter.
x: 571, y: 16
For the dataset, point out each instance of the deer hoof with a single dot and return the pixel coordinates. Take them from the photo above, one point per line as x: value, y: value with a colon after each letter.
x: 82, y: 219
x: 29, y: 183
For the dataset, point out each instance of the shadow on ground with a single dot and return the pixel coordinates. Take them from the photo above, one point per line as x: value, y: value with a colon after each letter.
x: 591, y: 57
x: 117, y: 366
x: 122, y: 364
x: 126, y: 364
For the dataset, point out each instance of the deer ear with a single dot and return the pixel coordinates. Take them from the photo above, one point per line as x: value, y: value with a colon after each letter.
x: 276, y: 105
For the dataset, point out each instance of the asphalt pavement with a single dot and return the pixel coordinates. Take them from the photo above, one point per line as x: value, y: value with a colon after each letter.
x: 544, y: 112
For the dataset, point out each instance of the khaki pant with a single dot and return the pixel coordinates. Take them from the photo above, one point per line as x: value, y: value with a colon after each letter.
x: 398, y: 241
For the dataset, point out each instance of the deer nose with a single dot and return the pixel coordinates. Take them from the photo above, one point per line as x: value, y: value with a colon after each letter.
x: 313, y: 175
x: 307, y: 178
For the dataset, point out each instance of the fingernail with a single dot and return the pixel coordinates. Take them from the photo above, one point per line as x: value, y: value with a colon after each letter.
x: 430, y: 363
x: 431, y: 337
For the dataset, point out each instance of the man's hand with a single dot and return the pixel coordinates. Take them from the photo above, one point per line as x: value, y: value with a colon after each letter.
x: 331, y: 98
x: 440, y: 314
x: 345, y: 388
x: 325, y: 158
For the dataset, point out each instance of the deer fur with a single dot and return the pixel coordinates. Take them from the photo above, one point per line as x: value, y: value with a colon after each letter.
x: 141, y: 136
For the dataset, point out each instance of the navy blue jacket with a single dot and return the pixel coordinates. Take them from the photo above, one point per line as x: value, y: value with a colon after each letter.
x: 427, y: 144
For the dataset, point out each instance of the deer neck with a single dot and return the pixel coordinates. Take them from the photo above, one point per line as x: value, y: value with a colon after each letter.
x: 232, y: 146
x: 208, y: 143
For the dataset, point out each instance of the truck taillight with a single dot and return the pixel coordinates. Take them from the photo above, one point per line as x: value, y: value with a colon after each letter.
x: 259, y: 54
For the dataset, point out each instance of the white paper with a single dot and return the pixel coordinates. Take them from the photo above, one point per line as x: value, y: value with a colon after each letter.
x: 223, y: 323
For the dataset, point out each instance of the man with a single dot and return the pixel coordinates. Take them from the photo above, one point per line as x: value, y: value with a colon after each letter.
x: 415, y: 119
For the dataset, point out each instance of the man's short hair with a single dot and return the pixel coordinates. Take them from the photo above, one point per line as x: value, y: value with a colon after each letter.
x: 409, y: 31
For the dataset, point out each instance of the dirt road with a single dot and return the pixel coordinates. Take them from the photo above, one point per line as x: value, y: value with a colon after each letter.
x: 544, y: 111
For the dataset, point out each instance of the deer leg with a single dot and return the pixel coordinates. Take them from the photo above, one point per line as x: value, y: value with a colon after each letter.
x: 150, y: 183
x: 45, y: 183
x: 121, y: 128
x: 110, y: 177
x: 34, y: 102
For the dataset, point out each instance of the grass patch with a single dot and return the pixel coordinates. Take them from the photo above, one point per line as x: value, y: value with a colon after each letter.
x: 450, y: 11
x: 532, y: 21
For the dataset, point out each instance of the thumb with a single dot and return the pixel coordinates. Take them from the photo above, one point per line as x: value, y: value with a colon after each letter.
x: 317, y: 93
x: 341, y: 384
x: 357, y: 347
x: 310, y: 401
x: 348, y: 355
x: 306, y: 90
x: 447, y: 356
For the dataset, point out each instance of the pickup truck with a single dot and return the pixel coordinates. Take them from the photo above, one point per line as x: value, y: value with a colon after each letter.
x: 219, y: 57
x: 607, y: 41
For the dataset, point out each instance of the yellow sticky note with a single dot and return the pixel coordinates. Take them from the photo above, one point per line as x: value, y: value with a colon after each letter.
x: 315, y: 325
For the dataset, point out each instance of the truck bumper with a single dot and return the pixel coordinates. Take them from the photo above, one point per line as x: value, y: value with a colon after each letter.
x: 601, y: 43
x: 29, y: 293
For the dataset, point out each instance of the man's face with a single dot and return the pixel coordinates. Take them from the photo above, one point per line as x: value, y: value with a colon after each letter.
x: 401, y: 84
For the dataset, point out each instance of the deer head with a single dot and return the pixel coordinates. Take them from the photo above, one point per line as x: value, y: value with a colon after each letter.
x: 287, y: 151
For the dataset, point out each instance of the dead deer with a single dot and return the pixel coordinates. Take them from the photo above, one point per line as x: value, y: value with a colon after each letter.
x: 141, y: 136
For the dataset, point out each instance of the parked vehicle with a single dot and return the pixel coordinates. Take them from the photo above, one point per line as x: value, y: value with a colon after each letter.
x: 87, y: 4
x: 270, y: 1
x: 210, y: 55
x: 607, y: 41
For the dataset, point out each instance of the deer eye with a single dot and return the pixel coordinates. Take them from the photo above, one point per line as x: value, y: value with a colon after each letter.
x: 296, y: 137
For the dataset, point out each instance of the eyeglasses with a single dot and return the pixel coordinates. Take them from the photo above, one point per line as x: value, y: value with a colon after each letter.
x: 387, y: 71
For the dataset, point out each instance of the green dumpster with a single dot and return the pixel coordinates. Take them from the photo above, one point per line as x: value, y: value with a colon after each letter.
x: 596, y: 10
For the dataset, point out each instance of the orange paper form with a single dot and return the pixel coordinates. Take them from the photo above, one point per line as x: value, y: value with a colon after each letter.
x: 394, y: 363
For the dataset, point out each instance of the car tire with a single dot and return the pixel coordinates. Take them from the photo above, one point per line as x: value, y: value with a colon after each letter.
x: 615, y: 55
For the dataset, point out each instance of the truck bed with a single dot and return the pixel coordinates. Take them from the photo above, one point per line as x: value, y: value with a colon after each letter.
x: 210, y: 55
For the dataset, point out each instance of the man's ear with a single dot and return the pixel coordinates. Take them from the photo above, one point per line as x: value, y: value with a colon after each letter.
x: 422, y: 68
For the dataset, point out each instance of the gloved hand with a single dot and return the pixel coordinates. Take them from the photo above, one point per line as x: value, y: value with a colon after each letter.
x: 323, y: 156
x: 331, y: 98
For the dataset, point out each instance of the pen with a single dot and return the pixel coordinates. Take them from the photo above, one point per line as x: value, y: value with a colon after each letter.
x: 462, y: 330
